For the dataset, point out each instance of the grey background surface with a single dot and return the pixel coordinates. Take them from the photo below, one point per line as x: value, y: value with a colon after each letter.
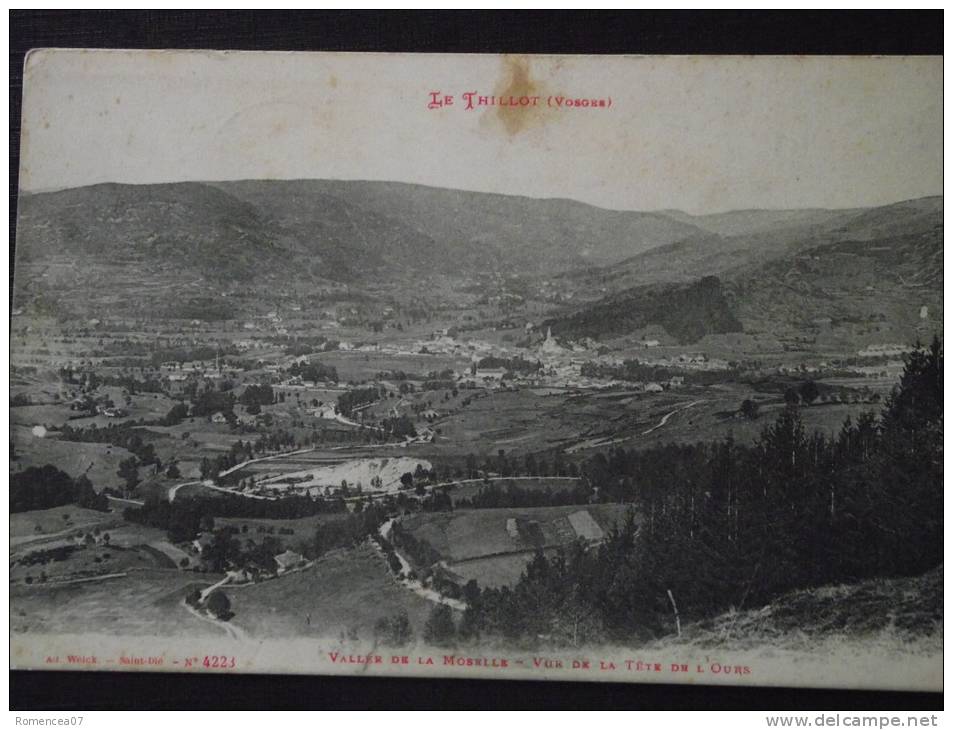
x: 487, y: 32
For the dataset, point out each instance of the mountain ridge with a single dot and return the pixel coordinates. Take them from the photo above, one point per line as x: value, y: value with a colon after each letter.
x: 877, y: 273
x: 283, y: 237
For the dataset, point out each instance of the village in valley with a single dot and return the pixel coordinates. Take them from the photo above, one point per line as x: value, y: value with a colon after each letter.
x: 383, y: 459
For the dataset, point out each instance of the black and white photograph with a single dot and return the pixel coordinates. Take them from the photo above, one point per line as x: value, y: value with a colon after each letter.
x: 617, y: 369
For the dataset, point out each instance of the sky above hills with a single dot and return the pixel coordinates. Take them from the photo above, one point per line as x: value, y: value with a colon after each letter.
x: 699, y: 134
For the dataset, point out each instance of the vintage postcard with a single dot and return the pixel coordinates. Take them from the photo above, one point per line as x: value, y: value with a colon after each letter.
x: 584, y: 368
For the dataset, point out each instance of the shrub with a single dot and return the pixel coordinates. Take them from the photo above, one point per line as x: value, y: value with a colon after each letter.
x: 219, y: 606
x: 394, y: 630
x: 440, y: 629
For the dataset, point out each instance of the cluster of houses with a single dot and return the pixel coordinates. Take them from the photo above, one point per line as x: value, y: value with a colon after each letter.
x: 110, y: 411
x: 180, y: 376
x: 103, y: 408
x: 285, y: 562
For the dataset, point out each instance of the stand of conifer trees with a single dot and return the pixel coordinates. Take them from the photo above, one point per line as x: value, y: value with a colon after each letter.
x: 723, y: 525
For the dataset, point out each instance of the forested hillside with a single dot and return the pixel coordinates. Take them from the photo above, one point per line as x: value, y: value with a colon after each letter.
x: 728, y: 526
x: 688, y: 312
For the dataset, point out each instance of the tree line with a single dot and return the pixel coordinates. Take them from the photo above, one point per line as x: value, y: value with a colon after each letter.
x: 510, y: 364
x: 352, y: 399
x: 43, y: 487
x: 492, y: 496
x: 314, y: 371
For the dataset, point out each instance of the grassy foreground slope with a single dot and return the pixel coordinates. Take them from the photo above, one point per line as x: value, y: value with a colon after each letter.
x: 895, y: 612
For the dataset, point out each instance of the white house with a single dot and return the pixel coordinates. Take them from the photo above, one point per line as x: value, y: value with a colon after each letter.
x: 288, y: 560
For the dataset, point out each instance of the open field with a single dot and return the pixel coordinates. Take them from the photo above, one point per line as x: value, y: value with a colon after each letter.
x: 584, y: 421
x: 196, y: 490
x: 58, y: 550
x: 301, y: 525
x: 532, y: 420
x: 97, y: 460
x: 49, y: 415
x: 439, y: 401
x: 23, y: 525
x: 132, y: 535
x: 467, y: 534
x: 147, y: 406
x: 716, y: 417
x: 496, y: 571
x: 144, y: 406
x: 519, y: 421
x: 346, y: 590
x: 84, y: 562
x: 300, y: 537
x: 144, y: 603
x: 480, y: 545
x: 199, y: 433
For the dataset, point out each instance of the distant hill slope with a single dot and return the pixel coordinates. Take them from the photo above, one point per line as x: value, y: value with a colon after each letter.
x: 873, y: 275
x: 871, y: 272
x: 179, y: 242
x: 352, y: 228
x: 202, y: 249
x: 196, y: 229
x: 750, y: 239
x: 748, y: 222
x: 463, y: 229
x: 852, y: 311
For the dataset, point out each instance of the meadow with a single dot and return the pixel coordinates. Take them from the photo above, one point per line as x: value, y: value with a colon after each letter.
x: 343, y: 595
x: 144, y: 603
x: 464, y: 535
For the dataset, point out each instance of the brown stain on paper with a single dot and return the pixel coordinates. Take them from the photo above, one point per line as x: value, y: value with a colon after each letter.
x: 517, y: 81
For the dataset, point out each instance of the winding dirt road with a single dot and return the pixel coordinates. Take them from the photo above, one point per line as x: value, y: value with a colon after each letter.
x: 670, y: 414
x: 606, y: 441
